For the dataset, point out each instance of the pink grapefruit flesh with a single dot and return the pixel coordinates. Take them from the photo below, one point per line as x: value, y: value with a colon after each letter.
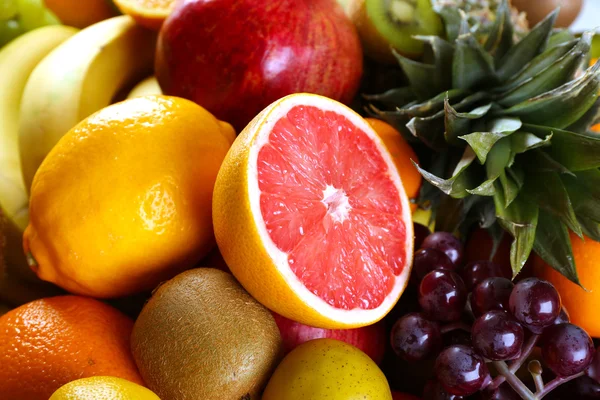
x: 329, y: 201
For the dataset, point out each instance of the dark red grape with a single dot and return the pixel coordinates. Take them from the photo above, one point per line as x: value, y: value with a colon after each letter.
x: 563, y: 317
x: 456, y: 336
x: 446, y: 242
x: 461, y: 371
x: 593, y: 370
x: 435, y: 391
x: 503, y: 392
x: 426, y: 260
x: 442, y: 295
x: 420, y: 232
x: 535, y: 304
x: 497, y: 336
x: 582, y: 388
x: 491, y: 294
x: 567, y: 349
x: 415, y: 338
x: 475, y: 272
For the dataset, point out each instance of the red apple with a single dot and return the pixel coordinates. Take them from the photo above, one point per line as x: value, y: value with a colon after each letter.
x: 370, y: 339
x: 235, y: 57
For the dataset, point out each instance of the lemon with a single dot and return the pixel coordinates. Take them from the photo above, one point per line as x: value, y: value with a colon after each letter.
x: 103, y: 388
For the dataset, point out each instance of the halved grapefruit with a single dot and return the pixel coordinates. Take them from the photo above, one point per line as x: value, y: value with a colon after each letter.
x: 311, y: 216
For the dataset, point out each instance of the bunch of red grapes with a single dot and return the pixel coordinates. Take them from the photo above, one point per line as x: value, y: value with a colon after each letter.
x: 505, y: 320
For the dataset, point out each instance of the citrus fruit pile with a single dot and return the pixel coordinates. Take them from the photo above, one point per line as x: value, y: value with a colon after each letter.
x: 207, y: 199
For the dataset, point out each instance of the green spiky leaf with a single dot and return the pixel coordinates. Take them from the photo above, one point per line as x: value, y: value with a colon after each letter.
x: 472, y: 64
x: 563, y: 106
x: 456, y: 185
x: 525, y: 141
x: 452, y: 21
x: 458, y: 124
x: 421, y: 76
x: 500, y: 39
x: 443, y: 53
x: 393, y: 97
x: 522, y: 104
x: 590, y: 228
x: 553, y: 245
x: 510, y: 188
x: 520, y: 220
x: 427, y: 129
x: 482, y: 142
x: 527, y: 49
x: 548, y: 191
x: 575, y: 151
x: 589, y: 119
x: 586, y: 202
x: 540, y: 161
x: 559, y: 73
x: 536, y: 66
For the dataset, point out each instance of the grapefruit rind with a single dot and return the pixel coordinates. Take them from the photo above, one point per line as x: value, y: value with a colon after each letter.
x: 246, y: 245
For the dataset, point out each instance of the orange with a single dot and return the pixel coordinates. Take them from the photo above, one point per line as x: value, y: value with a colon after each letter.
x: 311, y: 216
x: 148, y: 13
x: 596, y: 128
x: 123, y: 201
x: 402, y: 153
x: 582, y: 306
x: 50, y: 342
x: 79, y: 13
x: 103, y: 388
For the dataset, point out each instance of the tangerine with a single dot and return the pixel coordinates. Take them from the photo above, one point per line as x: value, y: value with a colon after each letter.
x: 49, y: 342
x: 81, y: 14
x: 148, y: 13
x: 403, y: 155
x: 582, y: 305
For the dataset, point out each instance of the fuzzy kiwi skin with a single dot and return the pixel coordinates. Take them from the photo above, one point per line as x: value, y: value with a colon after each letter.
x: 202, y: 336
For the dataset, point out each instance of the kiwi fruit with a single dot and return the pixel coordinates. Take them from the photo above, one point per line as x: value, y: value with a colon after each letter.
x: 202, y: 336
x: 539, y: 9
x: 397, y: 21
x: 386, y: 24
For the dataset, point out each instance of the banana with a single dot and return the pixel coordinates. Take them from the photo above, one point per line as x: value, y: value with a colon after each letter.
x: 146, y: 87
x: 17, y: 60
x: 14, y: 288
x: 78, y: 78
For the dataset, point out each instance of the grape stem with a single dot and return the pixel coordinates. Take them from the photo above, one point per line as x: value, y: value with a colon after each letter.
x: 515, y: 365
x: 517, y: 385
x: 536, y: 371
x: 556, y: 382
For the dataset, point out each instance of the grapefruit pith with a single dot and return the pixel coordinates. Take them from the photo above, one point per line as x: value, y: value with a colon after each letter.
x: 311, y: 216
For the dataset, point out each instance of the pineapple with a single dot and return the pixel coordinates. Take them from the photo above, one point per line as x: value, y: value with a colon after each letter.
x: 506, y: 118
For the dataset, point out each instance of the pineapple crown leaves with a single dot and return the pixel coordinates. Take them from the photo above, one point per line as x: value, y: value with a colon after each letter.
x: 508, y: 121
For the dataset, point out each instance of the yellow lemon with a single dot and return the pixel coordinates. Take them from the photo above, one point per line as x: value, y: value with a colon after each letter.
x: 123, y: 201
x: 103, y: 388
